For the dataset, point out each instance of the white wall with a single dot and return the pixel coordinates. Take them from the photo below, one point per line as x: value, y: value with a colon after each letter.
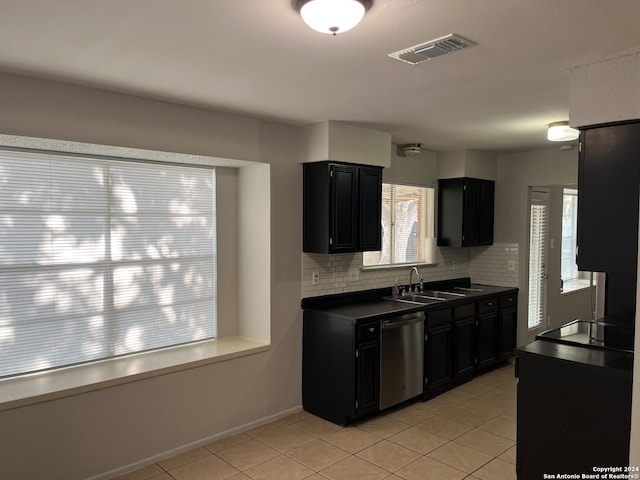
x: 516, y: 173
x: 93, y: 433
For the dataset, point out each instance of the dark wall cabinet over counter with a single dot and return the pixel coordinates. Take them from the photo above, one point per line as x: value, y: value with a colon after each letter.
x: 341, y: 207
x: 608, y: 180
x: 465, y: 212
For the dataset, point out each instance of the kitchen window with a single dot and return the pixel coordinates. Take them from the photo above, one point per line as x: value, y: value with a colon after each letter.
x: 407, y: 224
x: 101, y: 258
x: 572, y: 279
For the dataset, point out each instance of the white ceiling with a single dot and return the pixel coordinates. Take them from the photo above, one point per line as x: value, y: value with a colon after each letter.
x: 257, y: 57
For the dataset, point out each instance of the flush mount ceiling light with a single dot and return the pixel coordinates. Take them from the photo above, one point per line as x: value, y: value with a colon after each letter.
x: 411, y: 149
x: 332, y: 16
x: 561, y: 132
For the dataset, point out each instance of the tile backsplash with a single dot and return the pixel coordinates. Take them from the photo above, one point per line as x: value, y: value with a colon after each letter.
x: 344, y: 273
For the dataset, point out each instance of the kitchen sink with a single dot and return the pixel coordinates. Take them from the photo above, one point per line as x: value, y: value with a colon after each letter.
x: 416, y: 299
x: 442, y: 295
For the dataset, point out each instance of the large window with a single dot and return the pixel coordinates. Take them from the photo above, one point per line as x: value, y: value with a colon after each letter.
x: 101, y: 258
x: 407, y: 223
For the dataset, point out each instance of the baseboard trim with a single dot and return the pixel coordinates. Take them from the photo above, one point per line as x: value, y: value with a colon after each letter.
x: 190, y: 446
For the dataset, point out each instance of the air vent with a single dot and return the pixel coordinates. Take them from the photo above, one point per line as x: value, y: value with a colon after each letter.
x: 432, y: 49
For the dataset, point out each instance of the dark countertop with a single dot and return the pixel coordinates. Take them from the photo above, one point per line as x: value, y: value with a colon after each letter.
x: 579, y: 354
x: 361, y: 306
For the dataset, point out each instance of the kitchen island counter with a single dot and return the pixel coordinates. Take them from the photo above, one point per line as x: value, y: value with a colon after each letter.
x: 574, y: 409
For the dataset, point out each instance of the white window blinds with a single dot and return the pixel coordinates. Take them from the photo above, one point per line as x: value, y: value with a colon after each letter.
x: 407, y: 221
x: 100, y: 258
x: 538, y: 233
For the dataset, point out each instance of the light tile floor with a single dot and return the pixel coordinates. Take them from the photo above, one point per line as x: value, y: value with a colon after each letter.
x: 466, y: 433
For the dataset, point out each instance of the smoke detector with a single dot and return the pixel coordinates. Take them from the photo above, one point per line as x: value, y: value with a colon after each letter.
x: 432, y: 49
x: 411, y: 149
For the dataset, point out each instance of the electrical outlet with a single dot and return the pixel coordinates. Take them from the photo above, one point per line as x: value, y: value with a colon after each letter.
x: 454, y: 265
x: 511, y: 265
x: 354, y: 273
x: 315, y: 278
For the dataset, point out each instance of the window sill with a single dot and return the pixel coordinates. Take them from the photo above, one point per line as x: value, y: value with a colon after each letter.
x: 42, y: 387
x: 575, y: 285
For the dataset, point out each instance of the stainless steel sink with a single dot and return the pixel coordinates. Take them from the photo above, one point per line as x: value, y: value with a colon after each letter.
x: 416, y: 299
x: 443, y: 295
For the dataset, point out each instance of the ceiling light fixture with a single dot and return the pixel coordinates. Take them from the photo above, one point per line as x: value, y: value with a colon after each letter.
x: 411, y: 149
x: 561, y: 132
x: 332, y: 16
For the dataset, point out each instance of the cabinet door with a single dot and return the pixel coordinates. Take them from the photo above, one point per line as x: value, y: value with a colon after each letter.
x: 485, y: 214
x: 471, y: 215
x: 437, y: 359
x: 368, y: 378
x: 370, y: 188
x: 464, y: 345
x: 608, y: 178
x: 344, y: 209
x: 465, y: 212
x: 486, y: 338
x: 507, y: 323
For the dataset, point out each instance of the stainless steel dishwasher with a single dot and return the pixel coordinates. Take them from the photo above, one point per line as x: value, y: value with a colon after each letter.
x: 401, y: 358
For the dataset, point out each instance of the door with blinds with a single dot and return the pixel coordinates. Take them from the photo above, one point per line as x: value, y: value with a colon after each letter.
x: 538, y: 259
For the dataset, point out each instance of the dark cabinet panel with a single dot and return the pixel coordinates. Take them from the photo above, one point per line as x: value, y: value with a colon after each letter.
x: 340, y: 367
x: 438, y: 356
x: 465, y: 212
x: 608, y: 179
x: 486, y: 339
x: 370, y: 209
x: 464, y: 345
x: 344, y: 208
x: 507, y: 325
x: 341, y: 207
x: 368, y: 375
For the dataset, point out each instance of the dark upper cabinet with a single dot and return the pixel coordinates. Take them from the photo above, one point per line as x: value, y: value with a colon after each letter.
x: 465, y: 212
x: 341, y: 207
x: 608, y: 178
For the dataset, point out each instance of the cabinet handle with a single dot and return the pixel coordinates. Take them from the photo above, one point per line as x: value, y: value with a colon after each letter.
x: 490, y: 304
x: 511, y: 299
x: 372, y: 329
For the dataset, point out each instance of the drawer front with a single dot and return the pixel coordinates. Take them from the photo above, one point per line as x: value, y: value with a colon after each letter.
x: 368, y: 331
x: 438, y: 317
x: 508, y: 301
x: 464, y: 311
x: 487, y: 305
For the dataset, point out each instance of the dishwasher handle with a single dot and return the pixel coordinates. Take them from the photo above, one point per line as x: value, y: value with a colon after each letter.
x: 401, y: 321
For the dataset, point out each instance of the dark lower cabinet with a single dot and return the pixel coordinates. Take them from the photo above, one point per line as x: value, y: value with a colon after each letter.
x: 507, y: 324
x: 467, y: 338
x: 574, y: 410
x: 340, y: 367
x: 486, y: 332
x: 464, y: 334
x: 437, y: 357
x: 367, y: 375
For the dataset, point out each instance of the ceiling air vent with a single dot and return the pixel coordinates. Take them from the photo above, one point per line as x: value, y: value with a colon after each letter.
x: 432, y: 49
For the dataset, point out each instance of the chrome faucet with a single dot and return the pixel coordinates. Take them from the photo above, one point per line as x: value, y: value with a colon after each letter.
x: 419, y: 277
